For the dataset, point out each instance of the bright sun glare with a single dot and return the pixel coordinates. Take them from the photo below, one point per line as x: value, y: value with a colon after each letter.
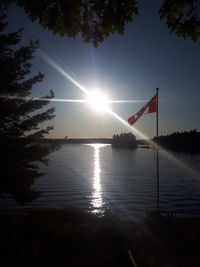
x: 98, y: 100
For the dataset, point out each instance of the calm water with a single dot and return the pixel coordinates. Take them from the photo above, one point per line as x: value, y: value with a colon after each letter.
x: 97, y: 178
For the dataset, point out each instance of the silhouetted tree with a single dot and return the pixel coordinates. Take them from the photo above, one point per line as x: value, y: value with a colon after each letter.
x: 20, y: 119
x: 124, y: 140
x: 96, y: 20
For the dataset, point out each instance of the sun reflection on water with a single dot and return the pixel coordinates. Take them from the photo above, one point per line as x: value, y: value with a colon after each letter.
x: 97, y: 202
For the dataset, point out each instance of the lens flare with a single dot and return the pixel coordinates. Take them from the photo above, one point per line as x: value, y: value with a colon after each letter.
x: 98, y: 101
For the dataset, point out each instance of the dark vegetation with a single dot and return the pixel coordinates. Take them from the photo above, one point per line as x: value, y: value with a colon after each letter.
x: 124, y: 140
x: 50, y: 237
x: 20, y: 117
x: 182, y: 17
x: 96, y: 20
x: 180, y: 141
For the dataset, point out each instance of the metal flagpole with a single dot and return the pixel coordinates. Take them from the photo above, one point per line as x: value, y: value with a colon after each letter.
x: 157, y: 152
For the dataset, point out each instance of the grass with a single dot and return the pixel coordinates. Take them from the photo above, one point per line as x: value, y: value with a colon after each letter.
x: 69, y: 237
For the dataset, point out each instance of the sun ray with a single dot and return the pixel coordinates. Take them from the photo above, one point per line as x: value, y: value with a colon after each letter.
x: 66, y: 100
x: 52, y: 63
x: 127, y: 101
x: 43, y: 99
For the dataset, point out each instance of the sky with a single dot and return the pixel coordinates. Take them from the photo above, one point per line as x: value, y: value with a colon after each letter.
x: 127, y: 67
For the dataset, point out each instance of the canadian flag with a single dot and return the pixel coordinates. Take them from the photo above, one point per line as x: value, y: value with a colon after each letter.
x: 150, y: 107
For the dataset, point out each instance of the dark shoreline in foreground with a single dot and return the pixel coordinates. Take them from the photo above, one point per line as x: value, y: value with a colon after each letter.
x: 70, y: 237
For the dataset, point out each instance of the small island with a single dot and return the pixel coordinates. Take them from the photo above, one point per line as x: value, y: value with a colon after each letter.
x: 124, y: 140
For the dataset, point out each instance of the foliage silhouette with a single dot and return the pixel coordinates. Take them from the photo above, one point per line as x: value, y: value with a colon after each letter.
x: 124, y: 140
x: 96, y: 20
x: 181, y: 141
x: 182, y: 17
x: 19, y: 116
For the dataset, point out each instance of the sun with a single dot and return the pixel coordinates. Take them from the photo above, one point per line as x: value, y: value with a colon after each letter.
x: 98, y: 101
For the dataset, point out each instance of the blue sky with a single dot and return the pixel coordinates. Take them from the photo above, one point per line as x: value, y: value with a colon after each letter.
x: 125, y: 67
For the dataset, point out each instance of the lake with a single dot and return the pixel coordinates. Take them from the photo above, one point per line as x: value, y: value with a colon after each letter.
x: 97, y: 178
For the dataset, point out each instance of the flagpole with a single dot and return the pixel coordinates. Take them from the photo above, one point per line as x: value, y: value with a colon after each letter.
x: 157, y: 152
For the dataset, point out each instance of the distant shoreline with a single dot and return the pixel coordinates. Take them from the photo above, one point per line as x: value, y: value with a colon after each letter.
x: 141, y: 143
x: 87, y: 141
x: 79, y: 141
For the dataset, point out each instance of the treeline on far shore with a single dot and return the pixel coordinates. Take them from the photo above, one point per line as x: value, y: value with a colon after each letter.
x: 187, y: 141
x: 77, y: 140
